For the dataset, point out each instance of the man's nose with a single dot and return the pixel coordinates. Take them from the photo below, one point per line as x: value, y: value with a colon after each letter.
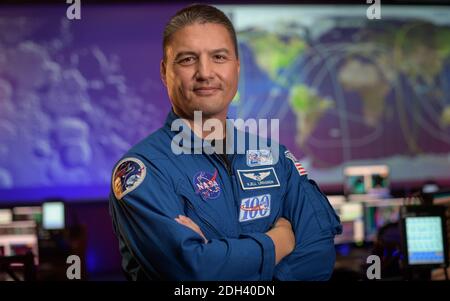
x: 205, y: 69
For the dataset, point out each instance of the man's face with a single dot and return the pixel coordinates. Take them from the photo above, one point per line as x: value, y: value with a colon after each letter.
x: 201, y: 71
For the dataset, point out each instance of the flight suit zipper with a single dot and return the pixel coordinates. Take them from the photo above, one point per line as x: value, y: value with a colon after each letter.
x: 226, y: 164
x: 229, y: 168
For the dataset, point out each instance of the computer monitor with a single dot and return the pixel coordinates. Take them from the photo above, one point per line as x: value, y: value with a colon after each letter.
x: 370, y: 180
x: 53, y: 216
x: 27, y: 213
x: 379, y: 213
x: 424, y: 236
x: 19, y: 237
x: 441, y: 197
x: 5, y: 216
x: 351, y: 215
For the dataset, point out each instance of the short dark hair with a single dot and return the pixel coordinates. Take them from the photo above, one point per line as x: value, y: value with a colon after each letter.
x: 197, y: 13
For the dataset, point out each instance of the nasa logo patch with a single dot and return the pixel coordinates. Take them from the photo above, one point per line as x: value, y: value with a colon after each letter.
x: 127, y: 176
x: 206, y: 185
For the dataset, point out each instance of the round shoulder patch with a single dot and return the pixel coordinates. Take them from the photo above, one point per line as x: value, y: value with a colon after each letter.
x: 127, y: 176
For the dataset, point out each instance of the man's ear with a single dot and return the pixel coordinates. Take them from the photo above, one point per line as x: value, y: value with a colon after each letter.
x: 162, y: 72
x: 238, y: 67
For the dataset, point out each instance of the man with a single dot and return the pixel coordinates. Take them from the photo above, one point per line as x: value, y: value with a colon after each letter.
x: 205, y: 215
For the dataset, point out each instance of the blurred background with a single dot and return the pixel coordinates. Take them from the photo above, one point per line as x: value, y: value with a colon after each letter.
x: 363, y: 103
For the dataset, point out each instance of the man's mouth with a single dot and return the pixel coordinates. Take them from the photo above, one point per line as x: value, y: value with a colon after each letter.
x: 206, y: 91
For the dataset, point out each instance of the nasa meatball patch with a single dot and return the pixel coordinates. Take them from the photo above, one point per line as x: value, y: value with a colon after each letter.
x: 206, y: 185
x: 128, y: 175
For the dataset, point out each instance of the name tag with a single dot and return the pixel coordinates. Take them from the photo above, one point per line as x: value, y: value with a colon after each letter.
x: 258, y: 178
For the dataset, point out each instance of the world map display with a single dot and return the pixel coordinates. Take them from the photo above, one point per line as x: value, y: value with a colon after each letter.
x: 348, y: 90
x: 75, y: 95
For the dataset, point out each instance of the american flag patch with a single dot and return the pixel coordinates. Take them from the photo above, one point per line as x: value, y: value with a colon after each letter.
x: 301, y: 170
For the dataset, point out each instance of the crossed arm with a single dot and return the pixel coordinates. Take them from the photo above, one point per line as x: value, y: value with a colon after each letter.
x: 281, y: 234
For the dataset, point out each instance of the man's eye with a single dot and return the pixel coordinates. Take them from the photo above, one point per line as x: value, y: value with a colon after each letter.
x: 187, y: 60
x: 219, y: 58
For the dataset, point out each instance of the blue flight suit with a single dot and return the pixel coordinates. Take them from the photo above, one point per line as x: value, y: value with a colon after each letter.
x: 234, y: 203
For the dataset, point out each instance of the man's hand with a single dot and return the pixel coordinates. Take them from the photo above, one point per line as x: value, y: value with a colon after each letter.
x: 283, y: 238
x: 186, y: 221
x: 439, y: 274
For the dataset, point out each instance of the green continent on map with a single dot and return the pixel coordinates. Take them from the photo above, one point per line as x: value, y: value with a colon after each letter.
x: 371, y: 87
x: 308, y: 108
x: 445, y: 117
x: 274, y: 52
x: 417, y: 50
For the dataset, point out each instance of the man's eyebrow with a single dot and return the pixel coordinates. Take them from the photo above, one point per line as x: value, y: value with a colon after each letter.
x: 220, y: 50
